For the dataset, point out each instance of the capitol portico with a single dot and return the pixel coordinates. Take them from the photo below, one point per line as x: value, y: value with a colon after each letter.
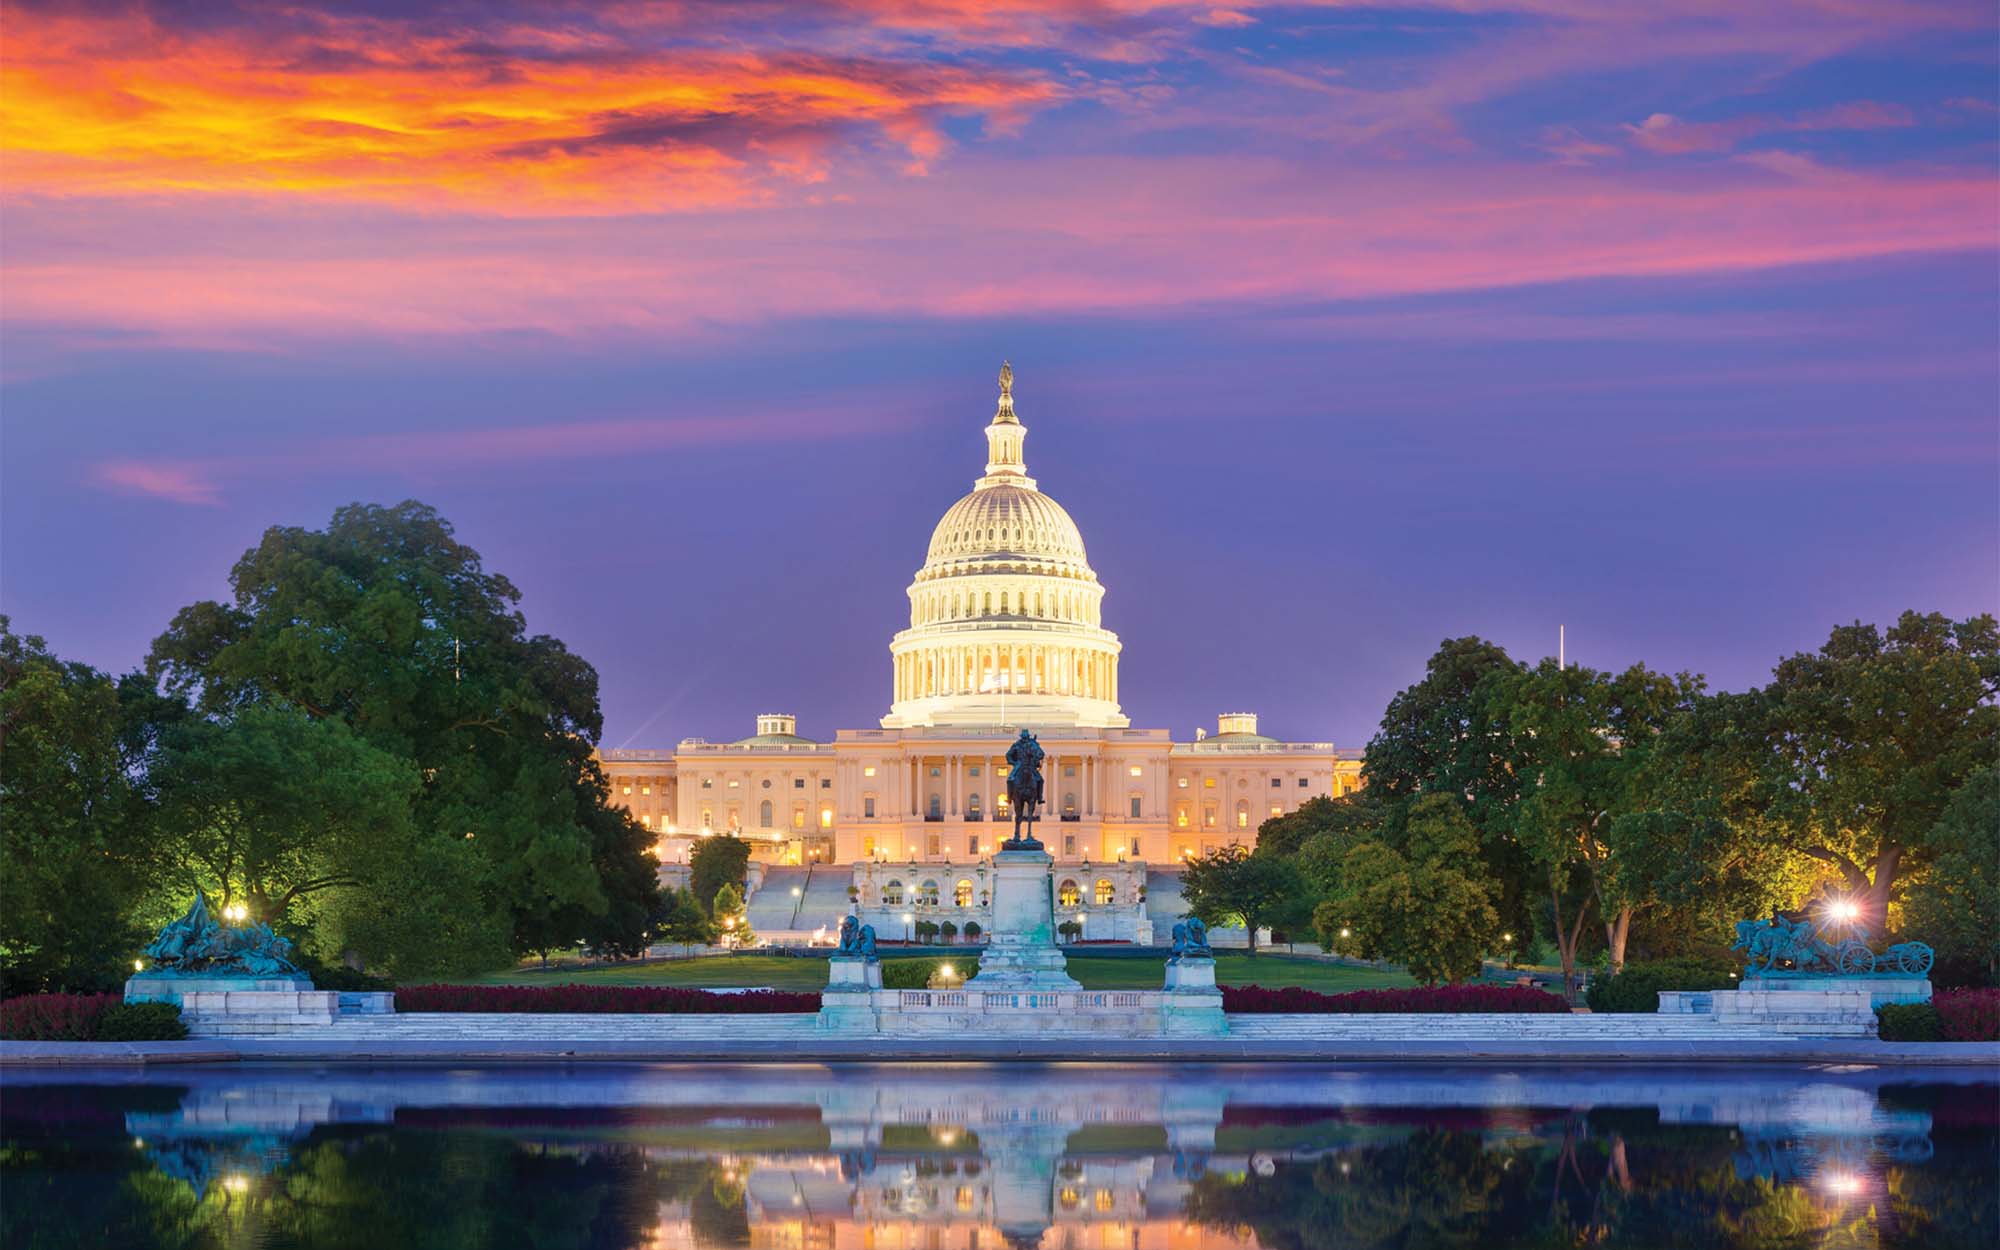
x: 1005, y: 630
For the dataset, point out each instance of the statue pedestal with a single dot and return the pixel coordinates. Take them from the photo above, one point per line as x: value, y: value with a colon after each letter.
x: 1022, y: 954
x: 151, y: 988
x: 1192, y: 1005
x: 1891, y: 988
x: 847, y: 1005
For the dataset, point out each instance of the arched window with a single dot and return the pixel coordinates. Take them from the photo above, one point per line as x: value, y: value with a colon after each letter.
x: 892, y: 894
x: 1067, y: 895
x: 927, y: 894
x: 1103, y: 892
x: 764, y: 814
x: 962, y: 894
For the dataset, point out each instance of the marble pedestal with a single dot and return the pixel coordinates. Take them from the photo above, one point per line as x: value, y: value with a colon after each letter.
x: 1881, y: 989
x: 1022, y: 954
x: 151, y: 988
x: 1192, y: 1004
x: 847, y: 1005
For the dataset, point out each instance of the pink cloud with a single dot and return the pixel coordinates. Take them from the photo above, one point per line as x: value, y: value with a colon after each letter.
x: 1668, y: 135
x: 174, y: 481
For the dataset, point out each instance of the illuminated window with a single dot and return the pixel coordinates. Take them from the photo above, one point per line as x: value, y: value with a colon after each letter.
x: 645, y: 789
x: 1181, y: 818
x: 628, y: 789
x: 1068, y: 894
x: 1208, y: 817
x: 1242, y: 815
x: 1277, y: 810
x: 1102, y: 891
x: 868, y: 771
x: 962, y: 892
x: 1182, y: 783
x: 826, y: 818
x: 868, y: 847
x: 735, y: 784
x: 647, y: 821
x: 1136, y: 771
x: 798, y: 818
x: 972, y: 807
x: 707, y: 818
x: 1208, y: 783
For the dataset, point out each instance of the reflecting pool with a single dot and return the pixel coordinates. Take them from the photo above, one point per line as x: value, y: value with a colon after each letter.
x: 961, y: 1157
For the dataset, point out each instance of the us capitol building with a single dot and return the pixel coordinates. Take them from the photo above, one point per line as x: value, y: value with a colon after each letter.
x: 1006, y: 630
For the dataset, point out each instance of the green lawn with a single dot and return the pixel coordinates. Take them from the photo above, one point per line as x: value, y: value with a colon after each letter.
x: 1097, y: 972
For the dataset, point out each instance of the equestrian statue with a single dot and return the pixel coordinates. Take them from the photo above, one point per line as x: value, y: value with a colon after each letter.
x: 1024, y: 791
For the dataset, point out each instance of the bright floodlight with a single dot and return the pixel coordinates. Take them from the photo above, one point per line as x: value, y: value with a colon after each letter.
x: 1845, y: 909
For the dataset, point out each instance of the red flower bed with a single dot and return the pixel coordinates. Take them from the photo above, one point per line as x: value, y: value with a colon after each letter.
x: 55, y: 1017
x: 1256, y: 1000
x: 605, y: 999
x: 1968, y: 1015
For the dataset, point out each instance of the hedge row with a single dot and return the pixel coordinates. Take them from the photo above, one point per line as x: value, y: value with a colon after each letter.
x: 1637, y: 989
x: 1445, y: 999
x: 607, y: 999
x: 915, y: 974
x: 88, y: 1018
x: 1950, y: 1016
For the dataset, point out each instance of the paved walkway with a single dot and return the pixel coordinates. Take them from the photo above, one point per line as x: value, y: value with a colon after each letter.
x: 811, y: 1047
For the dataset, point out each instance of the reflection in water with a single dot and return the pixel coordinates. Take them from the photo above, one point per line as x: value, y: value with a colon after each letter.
x: 965, y: 1157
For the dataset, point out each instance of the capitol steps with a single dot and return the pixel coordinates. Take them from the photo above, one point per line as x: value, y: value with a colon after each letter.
x: 772, y: 907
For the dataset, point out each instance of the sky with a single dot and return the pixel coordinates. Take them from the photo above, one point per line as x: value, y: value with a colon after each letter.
x: 1339, y: 329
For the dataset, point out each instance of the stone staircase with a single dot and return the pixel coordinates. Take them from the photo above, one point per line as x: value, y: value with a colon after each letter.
x: 825, y: 900
x: 1480, y: 1027
x: 471, y: 1026
x: 772, y: 908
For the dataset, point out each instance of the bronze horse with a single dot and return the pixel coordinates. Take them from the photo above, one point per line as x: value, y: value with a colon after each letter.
x: 1024, y: 790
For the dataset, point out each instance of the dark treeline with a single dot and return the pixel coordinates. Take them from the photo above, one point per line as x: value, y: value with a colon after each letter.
x: 363, y: 746
x: 1595, y: 817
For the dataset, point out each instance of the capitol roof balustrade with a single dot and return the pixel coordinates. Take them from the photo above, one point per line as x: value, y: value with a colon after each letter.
x: 626, y: 755
x: 700, y: 746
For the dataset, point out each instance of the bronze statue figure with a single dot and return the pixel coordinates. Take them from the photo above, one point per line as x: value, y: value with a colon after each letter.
x: 857, y: 940
x: 1024, y: 791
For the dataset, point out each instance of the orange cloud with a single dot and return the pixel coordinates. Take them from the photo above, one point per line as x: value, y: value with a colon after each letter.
x: 529, y: 119
x: 175, y: 481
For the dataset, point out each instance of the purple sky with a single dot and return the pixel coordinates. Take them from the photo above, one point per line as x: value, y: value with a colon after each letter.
x: 1338, y: 330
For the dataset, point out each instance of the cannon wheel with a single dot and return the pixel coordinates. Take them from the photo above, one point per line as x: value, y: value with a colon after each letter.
x: 1854, y: 958
x: 1914, y: 958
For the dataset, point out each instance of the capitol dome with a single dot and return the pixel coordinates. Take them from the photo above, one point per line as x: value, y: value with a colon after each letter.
x: 1004, y: 613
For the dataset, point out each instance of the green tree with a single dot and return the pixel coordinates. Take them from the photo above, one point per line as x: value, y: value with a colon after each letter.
x: 1232, y: 885
x: 1440, y: 736
x: 686, y: 923
x: 72, y: 855
x: 385, y: 622
x: 1422, y: 901
x: 730, y: 917
x: 272, y: 806
x: 1956, y: 905
x: 1865, y: 741
x: 716, y: 862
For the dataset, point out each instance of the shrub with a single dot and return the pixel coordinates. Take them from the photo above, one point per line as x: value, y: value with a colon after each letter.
x: 1637, y: 989
x: 54, y: 1017
x: 142, y: 1022
x: 911, y: 974
x: 948, y: 931
x: 1907, y: 1022
x: 88, y: 1018
x: 606, y: 999
x: 1968, y: 1015
x: 972, y: 930
x: 926, y: 930
x: 1256, y: 1000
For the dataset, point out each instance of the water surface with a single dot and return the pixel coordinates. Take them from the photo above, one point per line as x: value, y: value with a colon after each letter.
x: 1067, y: 1157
